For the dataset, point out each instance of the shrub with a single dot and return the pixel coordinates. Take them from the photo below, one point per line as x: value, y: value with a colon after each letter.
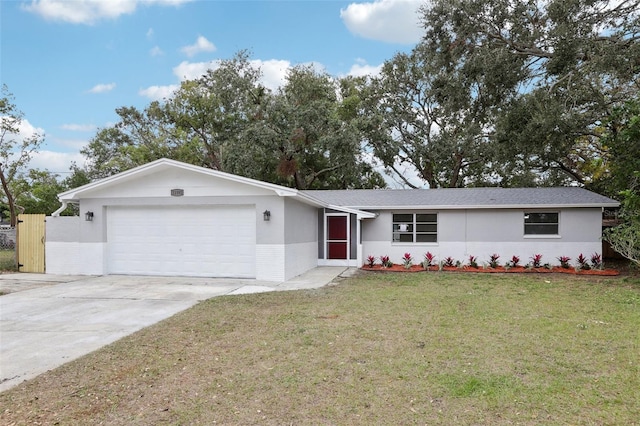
x: 473, y: 261
x: 407, y: 260
x: 564, y: 261
x: 596, y: 261
x: 515, y: 260
x: 536, y: 260
x: 371, y: 260
x: 493, y: 260
x: 385, y: 262
x: 583, y: 263
x: 625, y: 239
x: 449, y: 261
x: 429, y: 260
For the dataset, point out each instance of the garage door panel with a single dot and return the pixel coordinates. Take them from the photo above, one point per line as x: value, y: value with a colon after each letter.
x: 178, y: 240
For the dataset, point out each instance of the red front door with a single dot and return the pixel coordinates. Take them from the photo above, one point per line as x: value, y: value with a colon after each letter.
x: 337, y: 237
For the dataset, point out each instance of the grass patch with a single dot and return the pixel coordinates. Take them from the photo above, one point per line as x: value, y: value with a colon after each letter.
x: 7, y: 260
x: 376, y: 349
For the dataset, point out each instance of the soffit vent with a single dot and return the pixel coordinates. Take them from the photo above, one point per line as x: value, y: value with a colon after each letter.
x: 177, y: 192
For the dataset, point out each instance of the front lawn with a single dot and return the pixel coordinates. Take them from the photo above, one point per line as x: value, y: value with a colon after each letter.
x: 432, y: 348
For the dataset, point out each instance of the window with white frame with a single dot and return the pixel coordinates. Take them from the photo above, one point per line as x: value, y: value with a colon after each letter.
x: 541, y: 223
x: 415, y: 227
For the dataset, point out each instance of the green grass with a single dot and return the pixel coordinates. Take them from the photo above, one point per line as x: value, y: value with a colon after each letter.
x: 427, y: 348
x: 7, y: 260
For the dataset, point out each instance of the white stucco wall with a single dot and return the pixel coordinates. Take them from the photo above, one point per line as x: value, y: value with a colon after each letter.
x: 74, y: 258
x: 286, y: 245
x: 301, y: 237
x: 481, y: 233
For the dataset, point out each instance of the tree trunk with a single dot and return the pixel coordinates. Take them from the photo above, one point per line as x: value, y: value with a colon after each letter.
x: 455, y: 173
x: 12, y: 206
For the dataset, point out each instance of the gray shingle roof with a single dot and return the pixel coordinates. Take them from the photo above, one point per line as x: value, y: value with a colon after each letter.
x: 463, y: 198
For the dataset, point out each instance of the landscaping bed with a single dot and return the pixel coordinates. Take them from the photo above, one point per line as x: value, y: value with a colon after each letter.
x: 498, y: 269
x: 583, y: 265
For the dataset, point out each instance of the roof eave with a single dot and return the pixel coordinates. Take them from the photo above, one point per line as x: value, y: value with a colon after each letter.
x: 308, y: 199
x: 485, y: 207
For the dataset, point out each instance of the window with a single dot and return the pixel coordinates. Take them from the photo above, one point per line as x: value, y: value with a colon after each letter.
x: 541, y: 224
x: 415, y: 227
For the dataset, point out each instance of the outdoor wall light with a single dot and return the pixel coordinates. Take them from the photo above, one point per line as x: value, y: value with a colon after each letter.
x: 88, y: 216
x: 266, y: 215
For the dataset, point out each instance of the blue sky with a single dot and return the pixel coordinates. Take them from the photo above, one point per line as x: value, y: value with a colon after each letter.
x: 71, y: 63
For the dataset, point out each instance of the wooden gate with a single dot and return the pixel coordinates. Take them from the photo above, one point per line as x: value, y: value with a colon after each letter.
x: 30, y: 244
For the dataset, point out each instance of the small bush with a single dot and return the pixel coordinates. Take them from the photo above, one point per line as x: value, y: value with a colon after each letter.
x: 371, y: 261
x: 473, y: 261
x: 429, y: 260
x: 449, y: 261
x: 536, y: 260
x: 596, y: 261
x: 385, y: 262
x: 407, y: 260
x: 493, y: 260
x: 564, y: 261
x: 515, y: 260
x: 583, y: 262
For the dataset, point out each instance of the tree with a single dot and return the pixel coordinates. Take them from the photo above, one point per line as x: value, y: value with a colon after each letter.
x: 537, y: 78
x: 227, y: 121
x: 416, y: 115
x: 15, y: 152
x: 307, y: 136
x: 37, y: 191
x: 622, y: 140
x: 198, y: 124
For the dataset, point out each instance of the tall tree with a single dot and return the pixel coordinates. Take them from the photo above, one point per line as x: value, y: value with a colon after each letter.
x: 533, y: 79
x: 227, y: 121
x: 621, y: 141
x: 198, y: 124
x: 419, y: 116
x: 307, y: 137
x: 15, y: 151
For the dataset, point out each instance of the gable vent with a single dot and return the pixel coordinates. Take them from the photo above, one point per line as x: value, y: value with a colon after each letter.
x: 177, y: 192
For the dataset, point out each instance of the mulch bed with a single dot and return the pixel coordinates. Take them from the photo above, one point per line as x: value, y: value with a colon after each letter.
x: 499, y: 269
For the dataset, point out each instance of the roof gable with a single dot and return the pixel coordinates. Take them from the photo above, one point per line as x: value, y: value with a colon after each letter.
x: 159, y: 177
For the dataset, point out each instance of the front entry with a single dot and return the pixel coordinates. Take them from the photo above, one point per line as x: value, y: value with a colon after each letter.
x: 337, y: 237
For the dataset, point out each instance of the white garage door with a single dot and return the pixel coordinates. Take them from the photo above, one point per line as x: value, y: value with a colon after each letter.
x: 200, y: 241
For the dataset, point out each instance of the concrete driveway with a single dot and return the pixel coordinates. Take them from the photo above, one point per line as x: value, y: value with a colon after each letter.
x: 48, y: 320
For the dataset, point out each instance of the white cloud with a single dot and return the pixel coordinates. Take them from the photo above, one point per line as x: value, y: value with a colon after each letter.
x: 201, y: 45
x: 55, y: 161
x: 362, y: 69
x: 156, y: 51
x: 393, y: 21
x: 79, y: 127
x: 150, y: 33
x: 158, y: 93
x: 25, y: 131
x: 102, y: 88
x: 274, y: 72
x: 193, y: 70
x: 90, y: 11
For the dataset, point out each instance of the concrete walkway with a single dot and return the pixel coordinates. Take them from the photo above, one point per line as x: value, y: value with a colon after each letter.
x: 48, y: 320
